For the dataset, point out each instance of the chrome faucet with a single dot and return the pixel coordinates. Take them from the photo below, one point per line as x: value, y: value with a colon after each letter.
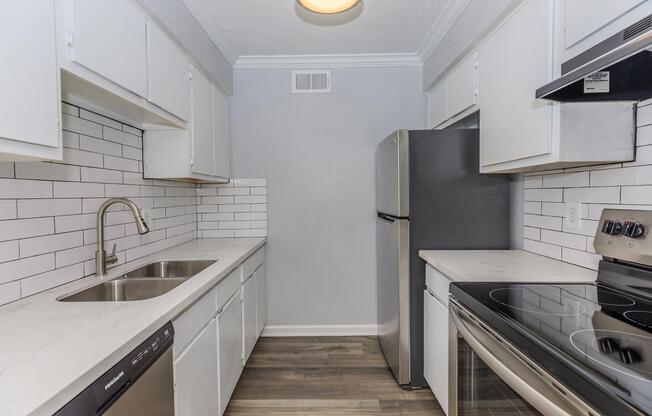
x: 101, y: 259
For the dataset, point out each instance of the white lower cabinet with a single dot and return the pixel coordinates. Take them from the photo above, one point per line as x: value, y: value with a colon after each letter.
x: 249, y: 317
x: 214, y: 338
x: 261, y: 299
x: 229, y: 341
x: 196, y: 375
x: 435, y: 357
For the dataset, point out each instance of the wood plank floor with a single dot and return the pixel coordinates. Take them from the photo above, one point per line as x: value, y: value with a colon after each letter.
x: 324, y: 376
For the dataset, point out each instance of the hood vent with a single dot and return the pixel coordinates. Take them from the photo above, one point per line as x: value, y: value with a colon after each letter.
x: 616, y: 69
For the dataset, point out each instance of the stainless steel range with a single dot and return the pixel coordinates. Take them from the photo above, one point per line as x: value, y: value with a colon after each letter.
x: 560, y: 349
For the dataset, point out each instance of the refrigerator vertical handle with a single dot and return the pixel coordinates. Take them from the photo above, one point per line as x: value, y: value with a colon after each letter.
x: 386, y: 217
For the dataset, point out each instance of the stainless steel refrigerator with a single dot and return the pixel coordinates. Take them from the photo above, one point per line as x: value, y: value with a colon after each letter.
x: 429, y: 196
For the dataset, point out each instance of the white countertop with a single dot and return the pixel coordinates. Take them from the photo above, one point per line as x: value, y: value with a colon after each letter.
x: 504, y: 266
x: 50, y: 351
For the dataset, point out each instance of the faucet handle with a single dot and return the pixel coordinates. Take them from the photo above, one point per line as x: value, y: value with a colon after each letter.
x: 111, y: 258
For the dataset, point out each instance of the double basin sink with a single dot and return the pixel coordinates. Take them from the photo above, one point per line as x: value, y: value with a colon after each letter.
x: 149, y: 281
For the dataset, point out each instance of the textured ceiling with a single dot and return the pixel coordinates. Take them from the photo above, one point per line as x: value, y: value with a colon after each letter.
x: 281, y: 27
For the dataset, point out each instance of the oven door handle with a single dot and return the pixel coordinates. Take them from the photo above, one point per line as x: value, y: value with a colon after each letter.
x: 521, y: 377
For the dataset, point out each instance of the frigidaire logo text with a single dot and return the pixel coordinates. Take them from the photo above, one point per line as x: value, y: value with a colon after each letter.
x: 112, y: 382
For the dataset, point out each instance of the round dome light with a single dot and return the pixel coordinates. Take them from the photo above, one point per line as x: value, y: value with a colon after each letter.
x: 328, y: 6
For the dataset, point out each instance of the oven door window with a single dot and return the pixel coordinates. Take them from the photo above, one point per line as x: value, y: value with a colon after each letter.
x: 480, y: 392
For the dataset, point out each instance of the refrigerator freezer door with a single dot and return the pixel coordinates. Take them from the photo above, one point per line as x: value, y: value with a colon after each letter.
x: 392, y: 175
x: 394, y: 294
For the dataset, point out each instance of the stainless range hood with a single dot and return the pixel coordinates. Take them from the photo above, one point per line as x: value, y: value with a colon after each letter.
x: 617, y: 69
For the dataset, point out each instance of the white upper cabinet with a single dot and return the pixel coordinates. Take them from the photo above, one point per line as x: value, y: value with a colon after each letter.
x: 201, y: 124
x: 587, y: 22
x: 462, y: 87
x: 108, y: 37
x: 517, y: 59
x: 30, y: 105
x: 222, y: 143
x: 437, y: 105
x: 167, y: 73
x: 456, y: 95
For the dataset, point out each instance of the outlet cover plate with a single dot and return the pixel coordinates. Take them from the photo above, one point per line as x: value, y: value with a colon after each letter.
x: 573, y: 216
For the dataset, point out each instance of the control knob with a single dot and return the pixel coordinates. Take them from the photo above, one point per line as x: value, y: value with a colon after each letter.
x: 611, y: 227
x: 633, y: 229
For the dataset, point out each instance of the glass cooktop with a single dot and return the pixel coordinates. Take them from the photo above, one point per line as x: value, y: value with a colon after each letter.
x: 605, y: 332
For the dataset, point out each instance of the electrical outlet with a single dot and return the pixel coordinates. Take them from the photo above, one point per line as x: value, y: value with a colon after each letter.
x: 146, y: 214
x: 573, y: 216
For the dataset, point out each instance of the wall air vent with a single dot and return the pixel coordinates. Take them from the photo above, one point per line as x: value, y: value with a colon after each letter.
x: 311, y: 82
x: 637, y: 28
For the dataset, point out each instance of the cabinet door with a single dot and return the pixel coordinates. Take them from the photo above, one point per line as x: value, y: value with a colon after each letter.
x: 229, y: 339
x: 435, y: 356
x: 168, y: 85
x: 461, y: 88
x: 249, y: 317
x: 582, y: 18
x: 196, y: 376
x: 29, y: 82
x: 201, y: 124
x: 516, y: 60
x: 221, y: 134
x: 261, y: 306
x: 437, y: 105
x: 109, y: 38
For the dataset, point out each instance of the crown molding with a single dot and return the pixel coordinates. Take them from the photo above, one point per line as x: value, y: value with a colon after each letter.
x: 440, y: 28
x: 328, y: 61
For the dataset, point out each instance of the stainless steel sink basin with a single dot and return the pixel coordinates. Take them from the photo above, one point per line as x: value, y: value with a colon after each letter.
x: 121, y: 289
x: 171, y: 269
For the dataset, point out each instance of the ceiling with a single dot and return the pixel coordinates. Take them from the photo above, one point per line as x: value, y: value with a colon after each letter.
x: 281, y: 27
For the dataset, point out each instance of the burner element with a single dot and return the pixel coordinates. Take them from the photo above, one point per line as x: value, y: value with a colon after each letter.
x: 539, y: 300
x: 609, y: 298
x: 643, y: 318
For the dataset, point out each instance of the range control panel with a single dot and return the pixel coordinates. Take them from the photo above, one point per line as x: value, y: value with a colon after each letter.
x: 623, y: 234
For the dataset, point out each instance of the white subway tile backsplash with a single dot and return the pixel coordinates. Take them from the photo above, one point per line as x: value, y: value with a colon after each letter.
x: 544, y: 195
x: 636, y: 175
x: 49, y: 243
x: 23, y: 228
x: 539, y: 221
x: 592, y: 195
x: 565, y: 180
x: 119, y: 163
x: 78, y: 190
x: 580, y: 258
x: 575, y: 241
x: 9, y: 292
x: 644, y: 136
x: 81, y: 126
x: 105, y: 121
x: 11, y: 188
x: 47, y: 171
x: 636, y: 195
x: 48, y: 280
x: 532, y: 208
x: 544, y: 249
x: 8, y: 209
x: 18, y: 269
x: 255, y: 199
x: 82, y: 158
x: 121, y: 137
x: 31, y: 208
x: 48, y: 209
x: 531, y: 233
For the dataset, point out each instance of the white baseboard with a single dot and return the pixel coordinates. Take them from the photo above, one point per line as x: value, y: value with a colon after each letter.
x: 319, y: 330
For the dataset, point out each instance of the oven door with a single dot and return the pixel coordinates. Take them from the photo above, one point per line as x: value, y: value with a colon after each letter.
x: 487, y: 376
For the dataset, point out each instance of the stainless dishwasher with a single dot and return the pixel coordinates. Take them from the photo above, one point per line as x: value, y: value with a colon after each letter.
x: 141, y: 384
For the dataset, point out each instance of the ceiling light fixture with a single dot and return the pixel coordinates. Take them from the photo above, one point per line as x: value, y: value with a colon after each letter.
x: 328, y: 6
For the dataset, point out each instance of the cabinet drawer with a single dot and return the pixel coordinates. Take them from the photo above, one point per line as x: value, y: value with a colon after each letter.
x: 190, y: 322
x: 251, y: 264
x: 227, y: 287
x: 437, y: 284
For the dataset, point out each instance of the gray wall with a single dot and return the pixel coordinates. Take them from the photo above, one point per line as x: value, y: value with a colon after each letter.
x: 317, y: 152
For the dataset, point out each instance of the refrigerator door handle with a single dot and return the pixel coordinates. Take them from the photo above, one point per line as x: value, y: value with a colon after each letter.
x: 386, y: 217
